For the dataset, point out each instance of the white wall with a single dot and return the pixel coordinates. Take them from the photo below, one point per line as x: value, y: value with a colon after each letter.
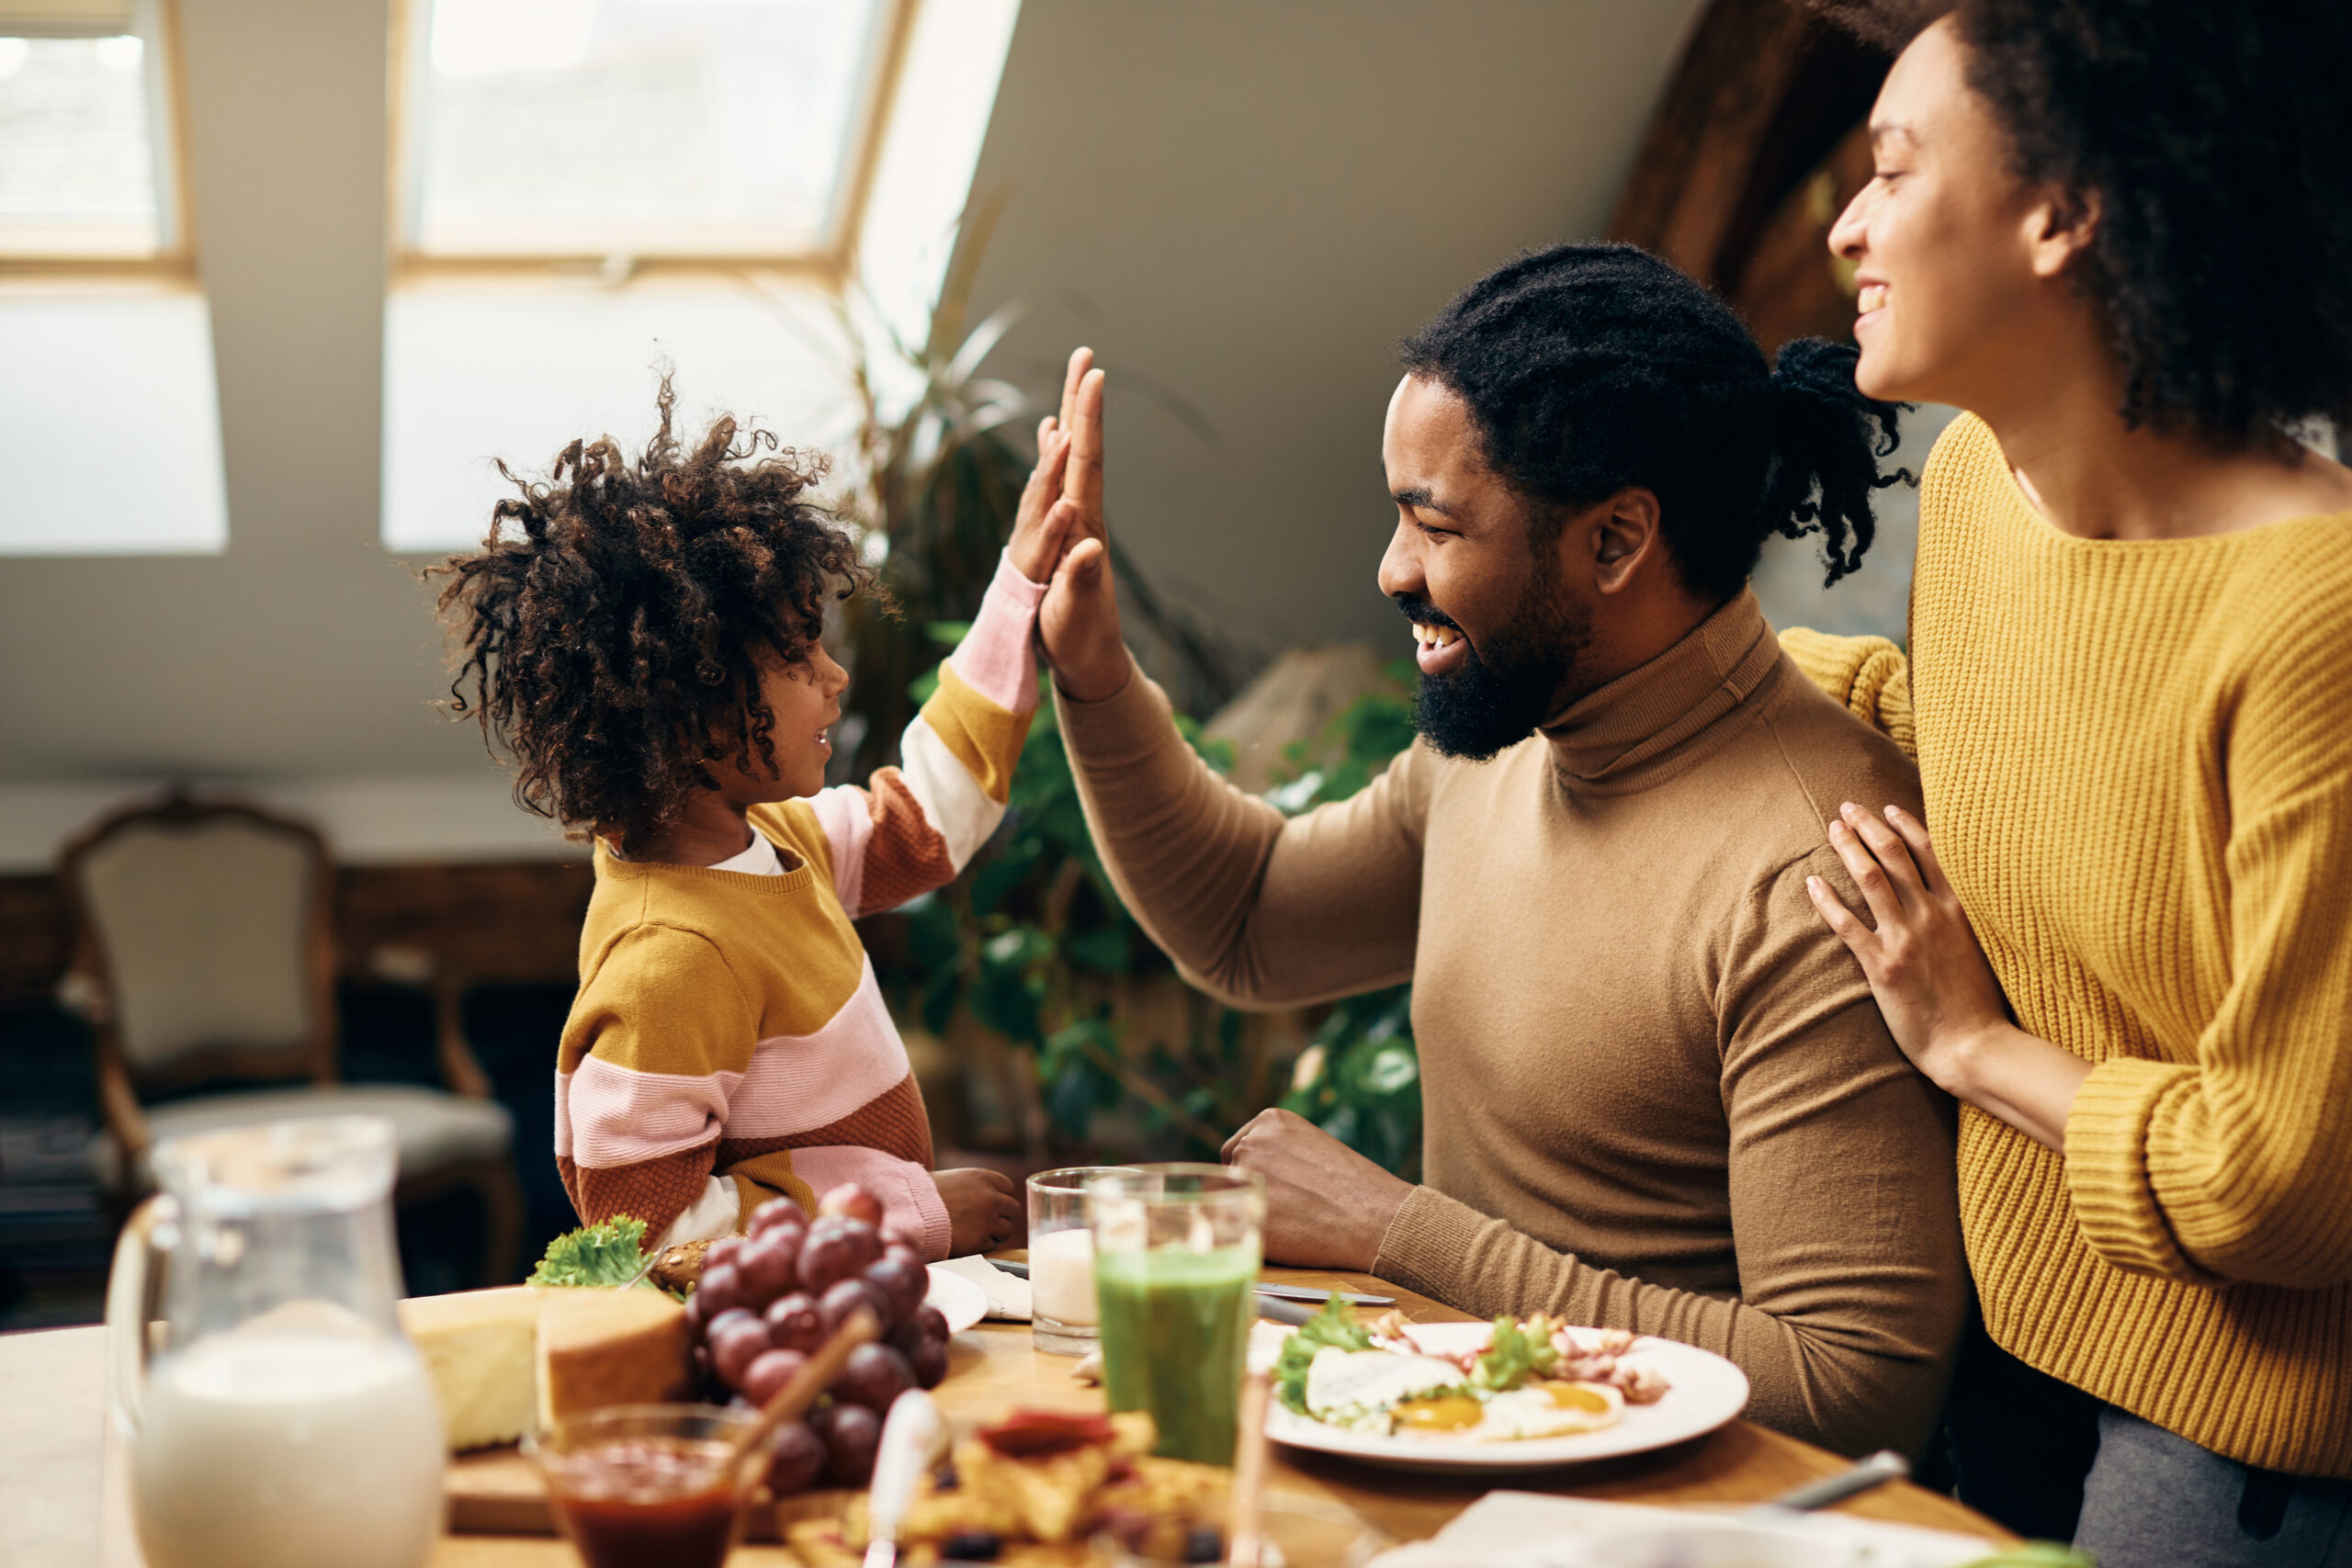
x: 1245, y: 202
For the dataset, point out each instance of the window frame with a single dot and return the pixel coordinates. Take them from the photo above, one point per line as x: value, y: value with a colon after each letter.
x: 163, y: 71
x: 829, y: 260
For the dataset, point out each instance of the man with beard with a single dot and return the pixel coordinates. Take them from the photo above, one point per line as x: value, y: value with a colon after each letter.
x: 1657, y: 1096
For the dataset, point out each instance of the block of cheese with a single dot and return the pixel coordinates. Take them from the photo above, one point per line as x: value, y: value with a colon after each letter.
x: 600, y: 1348
x: 503, y: 1360
x: 482, y: 1349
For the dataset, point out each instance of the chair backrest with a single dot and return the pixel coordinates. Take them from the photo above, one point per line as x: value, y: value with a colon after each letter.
x: 206, y: 928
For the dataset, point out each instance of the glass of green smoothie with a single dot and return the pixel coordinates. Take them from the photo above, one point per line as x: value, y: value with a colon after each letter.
x: 1176, y: 1255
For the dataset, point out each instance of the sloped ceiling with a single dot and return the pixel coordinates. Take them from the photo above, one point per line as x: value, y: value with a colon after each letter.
x: 1243, y: 206
x: 1241, y: 202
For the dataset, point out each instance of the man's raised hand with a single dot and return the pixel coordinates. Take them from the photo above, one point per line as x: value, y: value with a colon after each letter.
x: 1078, y: 622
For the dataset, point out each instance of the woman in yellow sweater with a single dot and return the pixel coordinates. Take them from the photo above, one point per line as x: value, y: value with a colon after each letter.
x: 2116, y: 234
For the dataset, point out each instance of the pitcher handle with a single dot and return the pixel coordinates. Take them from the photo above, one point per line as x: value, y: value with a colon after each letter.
x: 131, y: 1305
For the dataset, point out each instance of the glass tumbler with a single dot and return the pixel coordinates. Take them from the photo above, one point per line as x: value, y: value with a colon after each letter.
x: 1176, y: 1256
x: 1061, y: 1259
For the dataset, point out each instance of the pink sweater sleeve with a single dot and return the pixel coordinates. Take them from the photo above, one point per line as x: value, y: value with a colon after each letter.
x: 913, y: 827
x: 910, y: 1198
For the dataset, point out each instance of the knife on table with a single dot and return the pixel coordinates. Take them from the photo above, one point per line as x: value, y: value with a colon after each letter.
x: 1280, y: 1292
x: 1303, y: 1293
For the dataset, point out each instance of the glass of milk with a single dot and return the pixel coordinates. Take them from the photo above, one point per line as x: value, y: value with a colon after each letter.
x: 1061, y: 1261
x: 276, y: 1417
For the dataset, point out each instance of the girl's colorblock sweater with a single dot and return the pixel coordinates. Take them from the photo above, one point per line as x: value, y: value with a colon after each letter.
x: 729, y: 1042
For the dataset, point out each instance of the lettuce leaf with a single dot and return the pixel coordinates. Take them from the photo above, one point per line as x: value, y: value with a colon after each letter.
x: 1336, y: 1326
x: 1513, y: 1358
x: 610, y: 1254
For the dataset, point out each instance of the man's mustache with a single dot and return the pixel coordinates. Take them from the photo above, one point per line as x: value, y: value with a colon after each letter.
x: 1421, y: 613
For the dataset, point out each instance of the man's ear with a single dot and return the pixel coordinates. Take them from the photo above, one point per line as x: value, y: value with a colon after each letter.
x: 1624, y: 535
x: 2060, y: 228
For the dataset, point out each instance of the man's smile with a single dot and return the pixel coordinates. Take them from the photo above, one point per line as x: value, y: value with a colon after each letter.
x: 1439, y: 648
x: 1440, y: 645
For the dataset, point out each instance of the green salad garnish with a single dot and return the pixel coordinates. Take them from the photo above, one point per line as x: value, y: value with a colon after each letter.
x: 1335, y: 1326
x: 610, y: 1254
x: 1512, y: 1356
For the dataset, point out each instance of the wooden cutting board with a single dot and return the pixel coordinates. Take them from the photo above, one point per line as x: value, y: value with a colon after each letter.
x: 499, y: 1492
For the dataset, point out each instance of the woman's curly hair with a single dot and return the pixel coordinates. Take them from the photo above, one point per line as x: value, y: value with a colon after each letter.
x: 612, y: 628
x: 2214, y: 138
x: 1590, y: 367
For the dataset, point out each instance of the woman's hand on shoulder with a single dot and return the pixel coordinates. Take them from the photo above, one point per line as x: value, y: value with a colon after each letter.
x: 1942, y: 1000
x: 1931, y: 979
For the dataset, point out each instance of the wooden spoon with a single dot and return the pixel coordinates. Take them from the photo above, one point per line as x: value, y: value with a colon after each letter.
x: 1242, y: 1529
x: 801, y: 1391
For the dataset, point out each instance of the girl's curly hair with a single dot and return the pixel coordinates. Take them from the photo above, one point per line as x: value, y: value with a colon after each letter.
x: 2213, y: 136
x: 612, y: 628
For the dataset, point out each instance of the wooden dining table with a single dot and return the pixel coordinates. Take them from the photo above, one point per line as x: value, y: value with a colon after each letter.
x: 64, y: 1493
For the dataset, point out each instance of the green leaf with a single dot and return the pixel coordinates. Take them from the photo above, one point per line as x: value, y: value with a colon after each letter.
x: 940, y: 994
x: 1390, y: 1068
x: 1105, y: 950
x: 947, y: 634
x: 1335, y: 1326
x: 996, y: 879
x: 1003, y: 999
x: 607, y: 1254
x: 1513, y: 1357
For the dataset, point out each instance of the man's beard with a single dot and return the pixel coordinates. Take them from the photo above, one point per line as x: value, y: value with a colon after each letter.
x: 1497, y: 697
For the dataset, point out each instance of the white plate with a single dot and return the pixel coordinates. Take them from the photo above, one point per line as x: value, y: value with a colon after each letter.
x: 959, y: 1301
x: 1705, y: 1391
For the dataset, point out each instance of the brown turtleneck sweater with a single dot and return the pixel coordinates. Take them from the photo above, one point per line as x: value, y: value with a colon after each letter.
x: 1657, y: 1093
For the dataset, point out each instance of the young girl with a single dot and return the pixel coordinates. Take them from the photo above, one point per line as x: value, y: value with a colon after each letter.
x: 644, y: 640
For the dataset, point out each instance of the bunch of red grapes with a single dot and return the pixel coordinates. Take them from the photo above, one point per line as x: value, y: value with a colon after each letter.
x: 769, y: 1298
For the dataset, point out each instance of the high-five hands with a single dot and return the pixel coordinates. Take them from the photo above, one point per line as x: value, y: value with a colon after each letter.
x: 1045, y: 524
x: 1078, y: 622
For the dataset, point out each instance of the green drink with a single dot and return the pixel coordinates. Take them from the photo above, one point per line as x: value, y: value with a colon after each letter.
x: 1176, y: 1253
x: 1175, y: 1330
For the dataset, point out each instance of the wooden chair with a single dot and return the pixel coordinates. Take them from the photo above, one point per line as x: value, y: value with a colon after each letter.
x: 204, y: 952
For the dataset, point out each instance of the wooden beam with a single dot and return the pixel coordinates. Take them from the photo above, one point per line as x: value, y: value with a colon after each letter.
x: 1791, y: 285
x: 1696, y: 161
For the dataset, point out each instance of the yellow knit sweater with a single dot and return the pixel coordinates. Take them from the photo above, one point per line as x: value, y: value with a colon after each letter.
x: 2137, y: 760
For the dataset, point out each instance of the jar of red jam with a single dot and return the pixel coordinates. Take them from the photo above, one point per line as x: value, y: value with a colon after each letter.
x: 649, y: 1485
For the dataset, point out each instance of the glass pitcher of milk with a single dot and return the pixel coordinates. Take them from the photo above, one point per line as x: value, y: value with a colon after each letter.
x: 274, y: 1414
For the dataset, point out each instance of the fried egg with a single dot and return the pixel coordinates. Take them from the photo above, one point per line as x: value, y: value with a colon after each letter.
x: 1546, y: 1410
x: 1339, y: 1381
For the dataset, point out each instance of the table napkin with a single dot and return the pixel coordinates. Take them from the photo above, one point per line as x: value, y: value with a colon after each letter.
x: 1007, y: 1294
x: 1530, y: 1529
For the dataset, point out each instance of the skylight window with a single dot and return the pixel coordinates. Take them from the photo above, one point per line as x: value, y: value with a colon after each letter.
x: 86, y: 174
x: 638, y: 127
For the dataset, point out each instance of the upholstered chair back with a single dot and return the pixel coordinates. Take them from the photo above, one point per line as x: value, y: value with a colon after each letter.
x: 206, y: 930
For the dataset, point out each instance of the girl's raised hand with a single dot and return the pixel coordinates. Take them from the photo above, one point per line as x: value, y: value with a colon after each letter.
x: 1041, y: 527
